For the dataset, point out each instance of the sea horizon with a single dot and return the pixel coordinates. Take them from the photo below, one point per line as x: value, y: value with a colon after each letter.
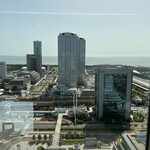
x: 93, y: 60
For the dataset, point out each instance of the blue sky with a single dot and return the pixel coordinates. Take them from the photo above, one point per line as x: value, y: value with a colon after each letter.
x: 110, y: 27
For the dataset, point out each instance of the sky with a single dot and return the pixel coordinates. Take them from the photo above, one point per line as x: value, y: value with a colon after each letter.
x: 110, y: 27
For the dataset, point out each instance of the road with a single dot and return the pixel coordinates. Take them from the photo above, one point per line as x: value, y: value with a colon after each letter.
x: 41, y: 87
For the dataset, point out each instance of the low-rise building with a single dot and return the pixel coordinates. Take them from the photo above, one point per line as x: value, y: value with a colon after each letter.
x: 131, y: 140
x: 35, y: 76
x: 81, y: 114
x: 19, y: 83
x: 87, y: 92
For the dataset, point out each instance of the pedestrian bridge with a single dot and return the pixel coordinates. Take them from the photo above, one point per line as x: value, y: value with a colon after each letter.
x: 56, y: 136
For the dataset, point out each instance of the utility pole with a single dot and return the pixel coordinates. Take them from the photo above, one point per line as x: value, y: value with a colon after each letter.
x: 74, y: 107
x: 76, y: 99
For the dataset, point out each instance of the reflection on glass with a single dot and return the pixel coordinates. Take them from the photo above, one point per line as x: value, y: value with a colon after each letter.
x: 115, y: 96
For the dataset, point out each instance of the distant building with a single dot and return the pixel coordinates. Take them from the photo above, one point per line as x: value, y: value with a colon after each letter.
x: 71, y: 59
x: 87, y: 92
x: 37, y: 46
x: 113, y: 92
x: 35, y: 76
x: 3, y: 70
x: 34, y: 61
x: 19, y: 83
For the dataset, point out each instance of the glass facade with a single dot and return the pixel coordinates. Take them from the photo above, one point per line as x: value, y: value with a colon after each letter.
x: 114, y: 97
x: 16, y: 114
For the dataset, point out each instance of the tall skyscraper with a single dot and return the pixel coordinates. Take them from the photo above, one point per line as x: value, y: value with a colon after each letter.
x: 71, y: 59
x: 3, y: 70
x: 81, y: 60
x: 113, y: 92
x: 34, y: 61
x: 37, y: 46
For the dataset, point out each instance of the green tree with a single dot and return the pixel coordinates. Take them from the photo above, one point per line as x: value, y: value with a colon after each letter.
x: 98, y: 145
x: 43, y: 118
x: 63, y: 136
x: 39, y: 137
x: 81, y: 136
x: 33, y: 137
x: 45, y: 137
x: 40, y: 148
x: 77, y: 135
x: 66, y: 136
x: 72, y: 136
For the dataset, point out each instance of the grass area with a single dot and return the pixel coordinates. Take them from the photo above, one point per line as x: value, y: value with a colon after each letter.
x: 64, y: 142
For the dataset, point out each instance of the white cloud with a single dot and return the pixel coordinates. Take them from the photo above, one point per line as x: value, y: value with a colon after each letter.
x: 39, y: 25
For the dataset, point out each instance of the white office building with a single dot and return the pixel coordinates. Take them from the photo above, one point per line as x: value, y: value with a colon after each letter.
x: 3, y: 70
x: 71, y: 59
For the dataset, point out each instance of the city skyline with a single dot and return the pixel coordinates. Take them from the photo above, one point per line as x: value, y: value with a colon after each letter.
x: 110, y: 28
x: 74, y: 74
